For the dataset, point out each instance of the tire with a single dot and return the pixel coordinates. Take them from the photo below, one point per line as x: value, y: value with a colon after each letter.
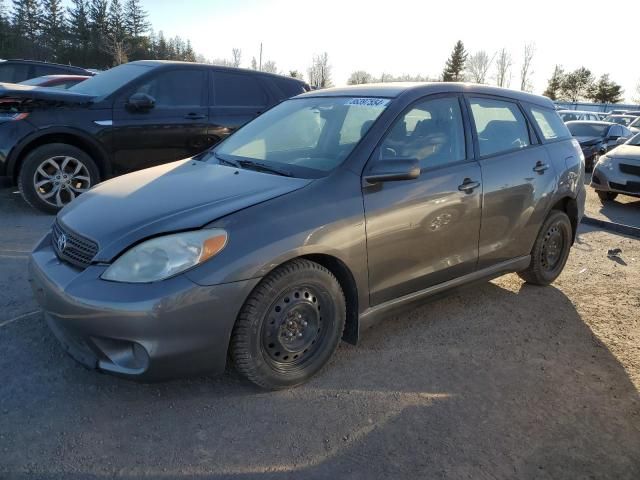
x: 42, y: 180
x: 547, y: 257
x: 606, y: 196
x: 289, y: 326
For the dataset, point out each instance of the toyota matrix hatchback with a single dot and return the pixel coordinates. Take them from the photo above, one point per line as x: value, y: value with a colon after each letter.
x: 323, y: 215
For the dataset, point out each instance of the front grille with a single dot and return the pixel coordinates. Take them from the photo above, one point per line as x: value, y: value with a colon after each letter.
x: 630, y: 169
x: 631, y: 187
x: 76, y: 250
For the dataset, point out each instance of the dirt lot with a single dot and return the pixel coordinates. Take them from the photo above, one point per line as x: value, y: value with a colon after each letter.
x: 499, y: 380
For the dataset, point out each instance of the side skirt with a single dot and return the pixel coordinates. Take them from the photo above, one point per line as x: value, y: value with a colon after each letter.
x: 375, y: 314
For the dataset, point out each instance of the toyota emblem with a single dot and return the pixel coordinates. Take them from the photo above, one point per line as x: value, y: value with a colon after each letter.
x: 62, y: 242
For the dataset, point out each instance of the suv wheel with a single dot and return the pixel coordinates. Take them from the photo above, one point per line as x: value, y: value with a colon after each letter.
x: 606, y: 196
x: 290, y: 325
x: 550, y: 250
x: 53, y: 175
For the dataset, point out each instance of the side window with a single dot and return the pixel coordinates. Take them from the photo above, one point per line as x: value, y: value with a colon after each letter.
x: 14, y: 73
x: 289, y: 88
x: 501, y: 126
x: 42, y: 70
x: 549, y: 123
x: 431, y: 132
x: 175, y: 88
x: 238, y: 90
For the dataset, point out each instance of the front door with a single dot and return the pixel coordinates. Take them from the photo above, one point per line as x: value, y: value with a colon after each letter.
x: 425, y: 231
x: 176, y: 127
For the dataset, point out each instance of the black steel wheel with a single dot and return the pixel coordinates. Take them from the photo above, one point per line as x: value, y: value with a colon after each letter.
x: 289, y: 326
x: 550, y: 250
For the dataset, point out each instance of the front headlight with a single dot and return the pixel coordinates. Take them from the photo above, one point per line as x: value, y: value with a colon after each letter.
x: 605, y: 162
x: 166, y: 256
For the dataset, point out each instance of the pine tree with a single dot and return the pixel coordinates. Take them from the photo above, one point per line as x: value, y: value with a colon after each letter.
x: 79, y: 32
x: 116, y: 21
x: 135, y: 19
x: 99, y: 28
x: 555, y: 83
x: 605, y: 91
x: 54, y: 29
x: 454, y: 68
x: 27, y: 23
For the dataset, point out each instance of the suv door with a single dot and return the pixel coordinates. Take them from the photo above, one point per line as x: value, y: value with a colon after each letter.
x: 236, y: 98
x: 425, y: 231
x: 174, y: 128
x: 518, y: 179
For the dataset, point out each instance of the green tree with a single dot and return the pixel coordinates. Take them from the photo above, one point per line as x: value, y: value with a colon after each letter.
x: 576, y: 85
x: 27, y: 25
x: 555, y: 83
x: 454, y: 68
x: 99, y: 26
x: 116, y: 20
x: 605, y: 91
x: 136, y: 21
x: 79, y: 32
x: 54, y: 29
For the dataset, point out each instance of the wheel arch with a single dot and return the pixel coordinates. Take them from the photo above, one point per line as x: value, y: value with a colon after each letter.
x: 67, y: 135
x: 569, y: 206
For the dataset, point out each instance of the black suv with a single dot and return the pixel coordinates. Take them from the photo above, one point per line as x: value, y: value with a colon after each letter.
x: 16, y: 71
x: 56, y: 144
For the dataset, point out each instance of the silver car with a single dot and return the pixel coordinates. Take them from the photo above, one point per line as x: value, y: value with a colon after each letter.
x: 618, y: 171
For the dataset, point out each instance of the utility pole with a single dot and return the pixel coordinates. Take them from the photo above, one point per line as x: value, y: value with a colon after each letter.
x: 260, y: 64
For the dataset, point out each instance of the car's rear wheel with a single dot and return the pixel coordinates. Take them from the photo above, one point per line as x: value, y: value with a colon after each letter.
x: 289, y: 326
x: 606, y: 196
x: 55, y: 174
x: 550, y: 250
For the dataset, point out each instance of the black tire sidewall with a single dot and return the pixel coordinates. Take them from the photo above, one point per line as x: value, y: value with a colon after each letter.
x: 36, y: 157
x: 562, y: 220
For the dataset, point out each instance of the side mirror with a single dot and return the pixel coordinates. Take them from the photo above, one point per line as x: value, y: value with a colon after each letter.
x: 393, y: 169
x: 141, y: 102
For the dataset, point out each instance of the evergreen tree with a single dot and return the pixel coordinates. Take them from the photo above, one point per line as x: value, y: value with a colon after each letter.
x: 576, y: 85
x: 79, y: 32
x: 136, y: 19
x: 555, y: 83
x: 54, y: 29
x: 27, y: 24
x: 117, y: 27
x: 99, y: 28
x: 605, y: 91
x: 454, y: 68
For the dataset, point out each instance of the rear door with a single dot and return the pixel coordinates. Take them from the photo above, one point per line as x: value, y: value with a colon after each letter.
x: 176, y: 127
x: 425, y: 231
x: 236, y: 98
x: 518, y: 179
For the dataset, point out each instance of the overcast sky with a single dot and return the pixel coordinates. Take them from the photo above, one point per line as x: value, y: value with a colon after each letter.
x: 402, y: 36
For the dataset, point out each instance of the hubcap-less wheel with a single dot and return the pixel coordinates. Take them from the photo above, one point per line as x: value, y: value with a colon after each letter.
x: 552, y: 248
x: 294, y: 328
x: 58, y: 180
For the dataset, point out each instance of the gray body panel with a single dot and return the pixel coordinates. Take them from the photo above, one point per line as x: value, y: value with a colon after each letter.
x: 623, y: 176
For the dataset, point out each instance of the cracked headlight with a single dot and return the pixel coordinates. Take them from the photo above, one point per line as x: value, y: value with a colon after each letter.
x: 166, y: 256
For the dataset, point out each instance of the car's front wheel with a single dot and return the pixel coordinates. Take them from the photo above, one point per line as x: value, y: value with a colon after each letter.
x: 55, y: 174
x: 606, y: 196
x: 289, y: 326
x: 550, y: 250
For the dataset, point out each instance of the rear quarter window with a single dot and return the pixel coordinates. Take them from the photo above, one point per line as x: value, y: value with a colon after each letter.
x: 238, y: 90
x: 550, y: 124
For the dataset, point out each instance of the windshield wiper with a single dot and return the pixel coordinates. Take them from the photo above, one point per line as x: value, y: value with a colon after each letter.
x: 265, y: 167
x: 226, y: 161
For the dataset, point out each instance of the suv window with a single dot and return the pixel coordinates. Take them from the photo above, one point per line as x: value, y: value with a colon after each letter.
x: 14, y: 73
x: 501, y: 126
x: 238, y: 90
x: 175, y: 88
x: 41, y: 71
x: 289, y: 88
x: 550, y: 124
x: 431, y: 132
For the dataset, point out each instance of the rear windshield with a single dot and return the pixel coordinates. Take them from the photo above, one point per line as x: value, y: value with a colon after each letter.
x: 587, y: 129
x: 106, y: 83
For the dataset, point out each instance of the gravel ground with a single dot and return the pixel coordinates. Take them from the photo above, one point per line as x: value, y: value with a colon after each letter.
x: 498, y: 380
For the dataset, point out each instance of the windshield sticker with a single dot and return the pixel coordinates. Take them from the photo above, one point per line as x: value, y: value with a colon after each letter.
x: 368, y: 102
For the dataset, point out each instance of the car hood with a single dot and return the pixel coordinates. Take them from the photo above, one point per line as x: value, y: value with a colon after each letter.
x: 588, y: 141
x: 13, y: 94
x: 626, y: 152
x: 176, y: 196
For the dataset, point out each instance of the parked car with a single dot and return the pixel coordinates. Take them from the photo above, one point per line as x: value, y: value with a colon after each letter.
x: 56, y: 81
x: 16, y: 71
x: 617, y: 112
x: 602, y: 115
x: 572, y: 115
x: 624, y: 120
x: 130, y: 117
x: 596, y: 138
x: 634, y: 113
x: 635, y: 126
x: 307, y: 225
x: 618, y: 172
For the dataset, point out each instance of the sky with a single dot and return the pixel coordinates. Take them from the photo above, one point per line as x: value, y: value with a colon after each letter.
x: 399, y: 36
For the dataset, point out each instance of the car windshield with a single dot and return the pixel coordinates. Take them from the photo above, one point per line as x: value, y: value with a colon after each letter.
x: 305, y: 137
x: 587, y: 129
x: 620, y: 120
x: 108, y: 82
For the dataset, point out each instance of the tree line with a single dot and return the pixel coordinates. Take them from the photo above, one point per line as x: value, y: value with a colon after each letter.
x: 89, y: 33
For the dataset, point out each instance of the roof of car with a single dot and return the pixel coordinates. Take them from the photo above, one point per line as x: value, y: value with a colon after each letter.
x: 566, y: 110
x: 622, y: 115
x: 591, y: 122
x: 70, y: 77
x: 395, y: 89
x: 40, y: 62
x: 158, y: 63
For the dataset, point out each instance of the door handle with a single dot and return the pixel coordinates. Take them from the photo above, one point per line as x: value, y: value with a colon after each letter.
x: 540, y: 167
x: 468, y: 185
x: 194, y: 116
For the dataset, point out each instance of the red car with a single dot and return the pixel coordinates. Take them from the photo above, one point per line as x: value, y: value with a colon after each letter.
x: 56, y: 81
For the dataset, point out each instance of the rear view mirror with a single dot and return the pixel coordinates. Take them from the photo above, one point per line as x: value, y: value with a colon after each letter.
x: 141, y: 102
x: 393, y: 169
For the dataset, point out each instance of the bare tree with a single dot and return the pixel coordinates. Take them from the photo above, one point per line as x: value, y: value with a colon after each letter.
x: 116, y: 47
x: 320, y: 71
x: 236, y: 57
x: 478, y: 66
x: 270, y: 67
x: 503, y: 66
x: 525, y: 69
x: 637, y: 97
x: 359, y: 77
x: 254, y: 63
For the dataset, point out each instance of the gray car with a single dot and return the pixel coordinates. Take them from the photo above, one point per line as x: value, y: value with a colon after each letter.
x: 324, y: 215
x: 618, y: 171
